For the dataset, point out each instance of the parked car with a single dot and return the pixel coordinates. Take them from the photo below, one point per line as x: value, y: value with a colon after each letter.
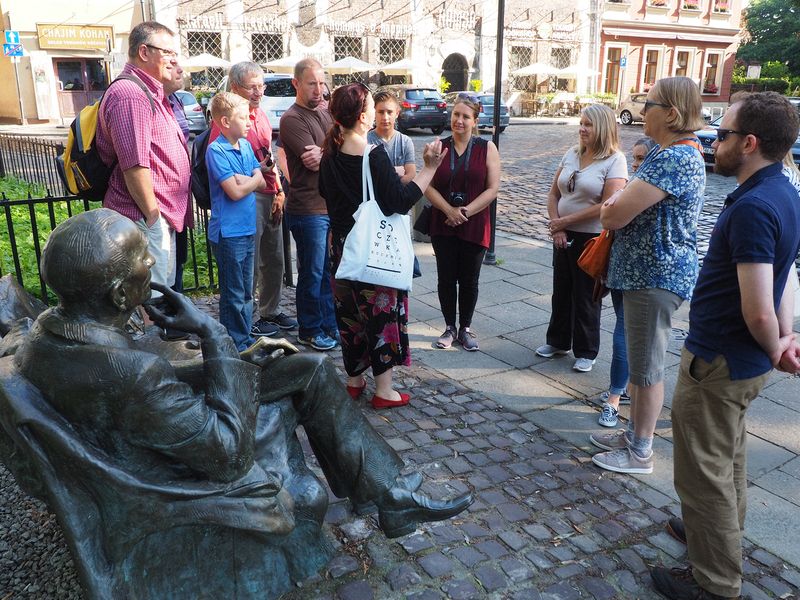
x: 708, y: 135
x: 630, y: 110
x: 486, y: 116
x: 193, y: 111
x: 421, y: 107
x: 279, y: 95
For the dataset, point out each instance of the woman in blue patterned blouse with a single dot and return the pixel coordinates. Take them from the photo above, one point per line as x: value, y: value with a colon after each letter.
x: 654, y: 259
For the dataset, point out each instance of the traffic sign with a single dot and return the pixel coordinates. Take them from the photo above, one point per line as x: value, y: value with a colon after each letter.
x: 12, y: 37
x: 12, y: 49
x: 623, y: 62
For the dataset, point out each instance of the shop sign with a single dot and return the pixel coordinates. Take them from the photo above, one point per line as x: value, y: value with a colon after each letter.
x: 73, y: 37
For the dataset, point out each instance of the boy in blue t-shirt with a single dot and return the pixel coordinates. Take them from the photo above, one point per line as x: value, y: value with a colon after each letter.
x: 234, y: 174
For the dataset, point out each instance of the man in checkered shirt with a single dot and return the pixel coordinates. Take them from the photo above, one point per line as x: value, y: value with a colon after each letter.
x: 150, y: 182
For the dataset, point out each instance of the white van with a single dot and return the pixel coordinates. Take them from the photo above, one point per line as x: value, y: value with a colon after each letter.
x: 279, y: 95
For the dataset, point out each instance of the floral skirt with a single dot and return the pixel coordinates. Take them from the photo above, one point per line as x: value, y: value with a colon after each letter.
x: 372, y: 320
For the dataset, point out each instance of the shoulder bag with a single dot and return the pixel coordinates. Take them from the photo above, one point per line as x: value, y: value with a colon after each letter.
x: 378, y: 249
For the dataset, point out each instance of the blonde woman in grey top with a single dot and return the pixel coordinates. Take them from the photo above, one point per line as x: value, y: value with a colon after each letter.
x: 588, y: 175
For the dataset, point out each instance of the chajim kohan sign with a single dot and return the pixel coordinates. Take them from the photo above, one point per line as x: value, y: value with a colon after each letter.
x: 73, y: 37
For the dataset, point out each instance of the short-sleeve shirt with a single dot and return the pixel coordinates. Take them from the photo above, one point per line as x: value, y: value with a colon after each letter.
x: 658, y: 248
x: 589, y: 183
x: 400, y: 148
x: 759, y: 223
x: 260, y: 138
x: 230, y: 218
x: 131, y: 133
x: 301, y: 127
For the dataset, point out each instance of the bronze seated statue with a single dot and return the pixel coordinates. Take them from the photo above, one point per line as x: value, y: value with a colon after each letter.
x: 182, y: 480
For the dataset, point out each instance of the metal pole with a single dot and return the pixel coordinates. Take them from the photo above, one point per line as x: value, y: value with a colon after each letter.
x: 490, y: 258
x: 15, y: 60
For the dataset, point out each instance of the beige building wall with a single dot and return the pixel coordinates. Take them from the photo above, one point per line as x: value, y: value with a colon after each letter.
x: 37, y: 77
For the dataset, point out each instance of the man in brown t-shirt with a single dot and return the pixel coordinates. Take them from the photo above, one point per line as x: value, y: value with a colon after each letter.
x: 302, y: 131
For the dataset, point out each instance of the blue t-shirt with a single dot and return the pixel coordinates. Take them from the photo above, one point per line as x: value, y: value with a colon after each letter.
x: 230, y: 218
x: 759, y: 223
x: 658, y: 248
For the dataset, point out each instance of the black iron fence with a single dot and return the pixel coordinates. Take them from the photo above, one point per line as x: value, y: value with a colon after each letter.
x: 26, y: 224
x: 32, y: 159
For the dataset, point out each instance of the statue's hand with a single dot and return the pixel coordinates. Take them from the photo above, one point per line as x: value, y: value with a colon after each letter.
x: 176, y: 311
x: 265, y: 350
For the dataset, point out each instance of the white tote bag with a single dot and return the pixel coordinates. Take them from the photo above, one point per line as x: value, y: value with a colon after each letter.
x: 378, y: 249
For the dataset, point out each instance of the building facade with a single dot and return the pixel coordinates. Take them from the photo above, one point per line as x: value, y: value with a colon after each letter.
x: 603, y: 45
x: 644, y: 40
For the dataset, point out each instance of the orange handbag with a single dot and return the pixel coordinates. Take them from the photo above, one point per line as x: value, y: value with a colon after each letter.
x: 596, y: 254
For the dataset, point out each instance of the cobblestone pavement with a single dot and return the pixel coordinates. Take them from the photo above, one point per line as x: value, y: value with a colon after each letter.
x: 546, y: 523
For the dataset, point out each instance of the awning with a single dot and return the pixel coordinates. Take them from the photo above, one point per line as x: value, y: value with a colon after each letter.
x: 670, y: 35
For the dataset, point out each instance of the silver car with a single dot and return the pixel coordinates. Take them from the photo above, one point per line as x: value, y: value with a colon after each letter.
x: 193, y: 111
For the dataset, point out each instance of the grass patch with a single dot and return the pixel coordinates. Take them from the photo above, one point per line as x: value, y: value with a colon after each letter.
x: 46, y: 214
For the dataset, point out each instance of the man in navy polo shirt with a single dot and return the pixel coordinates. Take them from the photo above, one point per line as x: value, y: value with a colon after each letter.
x: 740, y: 328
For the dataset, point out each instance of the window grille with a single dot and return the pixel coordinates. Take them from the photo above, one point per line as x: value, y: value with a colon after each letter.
x: 521, y: 56
x: 561, y: 57
x: 265, y: 47
x: 210, y: 42
x: 346, y: 46
x: 391, y: 50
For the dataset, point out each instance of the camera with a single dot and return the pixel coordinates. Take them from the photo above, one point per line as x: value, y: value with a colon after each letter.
x: 458, y: 199
x: 265, y: 156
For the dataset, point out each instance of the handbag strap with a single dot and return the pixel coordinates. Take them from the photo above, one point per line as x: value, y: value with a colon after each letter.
x: 367, y: 191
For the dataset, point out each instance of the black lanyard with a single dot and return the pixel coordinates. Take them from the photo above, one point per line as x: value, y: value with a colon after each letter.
x: 462, y: 160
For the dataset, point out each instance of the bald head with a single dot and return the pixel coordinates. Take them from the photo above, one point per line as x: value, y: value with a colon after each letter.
x: 89, y: 253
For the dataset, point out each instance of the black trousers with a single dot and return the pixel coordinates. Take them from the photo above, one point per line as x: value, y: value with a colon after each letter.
x: 574, y: 317
x: 458, y: 266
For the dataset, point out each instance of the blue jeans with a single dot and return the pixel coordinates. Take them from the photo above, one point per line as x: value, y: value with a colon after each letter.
x: 235, y: 267
x: 619, y: 352
x: 315, y: 313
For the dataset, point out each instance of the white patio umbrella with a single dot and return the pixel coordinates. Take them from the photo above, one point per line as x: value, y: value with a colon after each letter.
x: 535, y: 69
x: 576, y: 72
x: 401, y: 67
x: 204, y: 61
x: 349, y: 65
x: 282, y: 65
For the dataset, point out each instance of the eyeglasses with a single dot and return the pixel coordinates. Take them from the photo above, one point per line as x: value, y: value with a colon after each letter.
x: 259, y: 87
x: 650, y: 104
x: 724, y: 133
x: 164, y: 51
x: 571, y: 182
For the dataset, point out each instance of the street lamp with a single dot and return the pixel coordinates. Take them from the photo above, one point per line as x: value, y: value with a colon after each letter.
x: 490, y: 258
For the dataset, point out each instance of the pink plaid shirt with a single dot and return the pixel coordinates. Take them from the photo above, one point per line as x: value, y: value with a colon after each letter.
x: 132, y: 134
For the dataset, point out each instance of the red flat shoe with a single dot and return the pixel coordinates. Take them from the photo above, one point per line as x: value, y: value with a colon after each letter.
x: 378, y: 402
x: 355, y: 391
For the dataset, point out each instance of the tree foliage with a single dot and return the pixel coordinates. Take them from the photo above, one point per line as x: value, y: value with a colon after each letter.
x: 774, y: 30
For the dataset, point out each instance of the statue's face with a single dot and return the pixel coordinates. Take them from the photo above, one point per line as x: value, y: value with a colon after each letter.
x: 137, y: 285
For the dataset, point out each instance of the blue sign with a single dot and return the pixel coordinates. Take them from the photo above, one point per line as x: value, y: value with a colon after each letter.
x: 623, y: 62
x: 12, y: 37
x: 12, y: 49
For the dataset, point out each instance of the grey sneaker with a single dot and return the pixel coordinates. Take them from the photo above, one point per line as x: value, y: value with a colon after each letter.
x: 467, y: 339
x: 584, y: 365
x: 549, y: 351
x: 623, y: 461
x: 610, y: 441
x: 447, y: 338
x: 608, y: 416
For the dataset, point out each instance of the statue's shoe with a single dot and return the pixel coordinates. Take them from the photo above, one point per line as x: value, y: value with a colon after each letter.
x: 401, y: 510
x: 411, y: 482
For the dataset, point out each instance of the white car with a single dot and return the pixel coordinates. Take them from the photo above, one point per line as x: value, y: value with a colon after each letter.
x: 279, y: 95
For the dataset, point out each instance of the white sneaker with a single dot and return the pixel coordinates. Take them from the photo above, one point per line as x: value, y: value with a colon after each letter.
x: 608, y: 417
x: 549, y: 351
x: 584, y: 365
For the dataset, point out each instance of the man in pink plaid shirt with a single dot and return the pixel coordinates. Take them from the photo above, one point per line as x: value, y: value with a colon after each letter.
x: 150, y: 183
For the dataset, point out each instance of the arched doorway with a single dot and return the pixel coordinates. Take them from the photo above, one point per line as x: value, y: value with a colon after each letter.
x: 455, y: 70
